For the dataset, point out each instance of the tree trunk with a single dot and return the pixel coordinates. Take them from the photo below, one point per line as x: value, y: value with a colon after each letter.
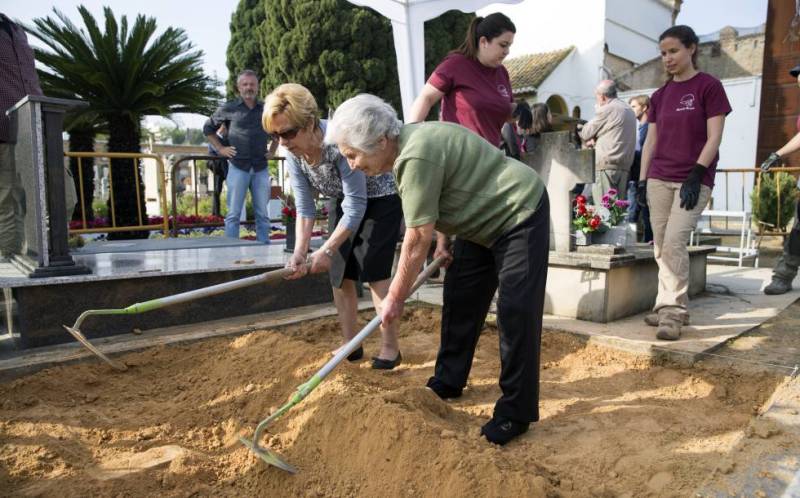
x: 124, y: 136
x: 82, y: 140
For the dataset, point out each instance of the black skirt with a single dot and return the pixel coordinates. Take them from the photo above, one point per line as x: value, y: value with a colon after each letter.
x: 367, y: 255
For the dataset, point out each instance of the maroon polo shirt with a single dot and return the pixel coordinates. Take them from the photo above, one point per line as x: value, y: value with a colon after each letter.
x: 475, y: 96
x: 680, y: 110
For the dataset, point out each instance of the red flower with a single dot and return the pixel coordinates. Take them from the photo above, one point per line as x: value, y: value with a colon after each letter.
x: 581, y: 209
x: 581, y: 200
x: 594, y: 222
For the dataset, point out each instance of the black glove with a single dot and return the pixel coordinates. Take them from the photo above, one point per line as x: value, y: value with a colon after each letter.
x: 690, y: 190
x: 641, y: 193
x: 770, y: 161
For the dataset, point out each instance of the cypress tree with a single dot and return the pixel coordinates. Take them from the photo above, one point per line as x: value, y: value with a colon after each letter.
x: 332, y: 47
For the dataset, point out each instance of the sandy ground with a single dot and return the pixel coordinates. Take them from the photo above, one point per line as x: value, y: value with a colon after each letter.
x: 612, y: 424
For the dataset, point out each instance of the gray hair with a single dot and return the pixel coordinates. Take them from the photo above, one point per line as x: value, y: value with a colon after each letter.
x: 361, y: 121
x: 607, y: 88
x: 246, y: 72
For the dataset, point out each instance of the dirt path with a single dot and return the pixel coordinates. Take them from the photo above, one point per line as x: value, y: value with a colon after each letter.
x: 612, y: 424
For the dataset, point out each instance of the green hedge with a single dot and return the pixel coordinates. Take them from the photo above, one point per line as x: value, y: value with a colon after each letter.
x: 765, y: 199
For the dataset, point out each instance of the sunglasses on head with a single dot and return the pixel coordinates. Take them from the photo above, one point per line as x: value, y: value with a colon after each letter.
x: 288, y: 134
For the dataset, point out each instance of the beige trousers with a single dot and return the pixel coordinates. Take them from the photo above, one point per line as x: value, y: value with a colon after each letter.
x: 606, y: 179
x: 672, y: 226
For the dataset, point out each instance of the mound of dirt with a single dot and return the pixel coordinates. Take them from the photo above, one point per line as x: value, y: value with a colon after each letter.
x: 612, y: 423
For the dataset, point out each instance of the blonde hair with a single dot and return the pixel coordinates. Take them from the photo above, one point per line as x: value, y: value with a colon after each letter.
x: 642, y: 100
x: 293, y: 101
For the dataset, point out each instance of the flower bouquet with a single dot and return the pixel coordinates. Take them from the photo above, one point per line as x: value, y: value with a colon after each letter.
x: 586, y: 220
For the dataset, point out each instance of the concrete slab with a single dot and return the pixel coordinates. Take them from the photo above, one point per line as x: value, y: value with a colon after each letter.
x: 128, y: 262
x: 732, y: 304
x: 770, y: 446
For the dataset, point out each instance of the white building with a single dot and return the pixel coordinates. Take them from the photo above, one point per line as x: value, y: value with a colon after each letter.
x: 607, y: 37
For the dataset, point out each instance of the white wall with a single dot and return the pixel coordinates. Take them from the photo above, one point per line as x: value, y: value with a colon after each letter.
x: 574, y: 80
x: 632, y: 28
x: 739, y: 140
x: 543, y: 26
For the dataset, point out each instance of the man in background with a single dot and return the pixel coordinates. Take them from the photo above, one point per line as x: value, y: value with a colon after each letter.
x: 612, y: 133
x: 640, y: 105
x: 246, y: 154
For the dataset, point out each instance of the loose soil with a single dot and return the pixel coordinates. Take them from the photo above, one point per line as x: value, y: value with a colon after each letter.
x: 613, y: 424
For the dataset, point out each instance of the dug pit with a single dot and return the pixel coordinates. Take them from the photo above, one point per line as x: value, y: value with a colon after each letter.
x: 613, y: 424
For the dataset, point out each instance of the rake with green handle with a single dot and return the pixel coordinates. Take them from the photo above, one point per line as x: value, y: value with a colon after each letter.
x: 305, y: 389
x: 163, y: 302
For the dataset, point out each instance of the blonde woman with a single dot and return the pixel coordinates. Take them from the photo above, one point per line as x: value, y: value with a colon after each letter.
x: 368, y: 214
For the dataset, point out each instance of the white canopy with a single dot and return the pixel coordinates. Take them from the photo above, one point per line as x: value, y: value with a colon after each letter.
x: 408, y: 25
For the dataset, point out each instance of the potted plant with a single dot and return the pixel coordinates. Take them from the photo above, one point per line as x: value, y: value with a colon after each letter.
x: 764, y: 198
x: 613, y: 211
x: 585, y: 220
x: 289, y: 216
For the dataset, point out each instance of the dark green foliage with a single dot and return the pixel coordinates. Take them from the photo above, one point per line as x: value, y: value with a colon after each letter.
x: 81, y: 139
x: 195, y: 136
x: 765, y: 199
x: 124, y: 73
x: 177, y: 136
x: 337, y: 49
x: 243, y: 49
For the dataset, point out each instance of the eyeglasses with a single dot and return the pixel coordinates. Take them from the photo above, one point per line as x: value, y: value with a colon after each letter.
x: 288, y: 134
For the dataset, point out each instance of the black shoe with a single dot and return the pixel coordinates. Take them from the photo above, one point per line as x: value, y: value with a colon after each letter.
x: 443, y: 390
x: 356, y: 355
x: 778, y: 286
x: 381, y: 364
x: 500, y: 431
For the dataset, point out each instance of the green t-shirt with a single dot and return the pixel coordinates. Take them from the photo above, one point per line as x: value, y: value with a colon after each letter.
x: 448, y: 175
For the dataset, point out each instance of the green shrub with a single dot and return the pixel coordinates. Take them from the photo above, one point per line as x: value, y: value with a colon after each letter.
x: 100, y: 208
x: 205, y: 203
x: 765, y: 199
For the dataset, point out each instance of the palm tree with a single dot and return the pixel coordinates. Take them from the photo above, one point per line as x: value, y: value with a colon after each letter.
x: 124, y: 74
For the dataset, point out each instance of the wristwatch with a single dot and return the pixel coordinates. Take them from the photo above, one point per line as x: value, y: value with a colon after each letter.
x: 328, y: 252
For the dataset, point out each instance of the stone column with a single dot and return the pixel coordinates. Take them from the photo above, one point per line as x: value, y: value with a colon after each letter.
x: 36, y: 130
x: 562, y: 165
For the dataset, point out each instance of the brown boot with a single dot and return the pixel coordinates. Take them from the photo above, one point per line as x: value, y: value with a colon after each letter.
x: 652, y: 319
x: 668, y: 330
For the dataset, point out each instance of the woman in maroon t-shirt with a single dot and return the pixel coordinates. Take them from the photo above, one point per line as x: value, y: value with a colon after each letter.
x: 471, y: 82
x: 679, y: 159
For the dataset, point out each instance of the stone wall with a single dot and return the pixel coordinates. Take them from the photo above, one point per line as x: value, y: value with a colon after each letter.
x: 731, y: 56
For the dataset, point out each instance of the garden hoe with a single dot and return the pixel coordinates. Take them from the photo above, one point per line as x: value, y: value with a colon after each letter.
x: 305, y: 389
x: 154, y: 304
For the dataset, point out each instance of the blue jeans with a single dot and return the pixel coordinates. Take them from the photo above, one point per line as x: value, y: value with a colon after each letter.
x: 238, y: 183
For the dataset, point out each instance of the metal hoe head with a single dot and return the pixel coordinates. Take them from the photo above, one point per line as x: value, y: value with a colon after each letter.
x: 76, y: 333
x: 268, y: 456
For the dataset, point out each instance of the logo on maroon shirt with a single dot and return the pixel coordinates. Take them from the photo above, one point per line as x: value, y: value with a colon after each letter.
x: 502, y: 90
x: 687, y: 103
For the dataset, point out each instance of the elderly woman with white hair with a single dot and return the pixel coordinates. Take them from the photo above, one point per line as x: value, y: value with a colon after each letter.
x: 368, y: 214
x: 452, y: 180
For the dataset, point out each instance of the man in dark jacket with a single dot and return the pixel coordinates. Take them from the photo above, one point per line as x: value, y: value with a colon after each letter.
x: 246, y: 154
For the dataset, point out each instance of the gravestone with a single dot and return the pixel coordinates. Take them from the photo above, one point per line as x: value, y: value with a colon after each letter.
x: 599, y: 283
x: 562, y: 165
x: 36, y: 130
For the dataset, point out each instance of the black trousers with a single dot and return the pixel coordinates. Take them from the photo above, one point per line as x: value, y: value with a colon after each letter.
x: 516, y: 265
